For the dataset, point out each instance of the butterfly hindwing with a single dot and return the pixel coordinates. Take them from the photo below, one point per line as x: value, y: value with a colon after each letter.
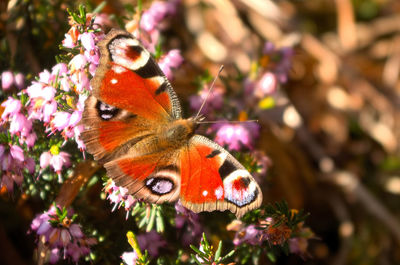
x: 212, y: 179
x: 152, y: 177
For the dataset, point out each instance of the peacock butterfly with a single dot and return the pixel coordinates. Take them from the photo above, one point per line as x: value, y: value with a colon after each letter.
x: 134, y: 126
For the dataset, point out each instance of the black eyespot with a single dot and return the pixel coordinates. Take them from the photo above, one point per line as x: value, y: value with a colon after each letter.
x: 159, y: 185
x: 105, y: 111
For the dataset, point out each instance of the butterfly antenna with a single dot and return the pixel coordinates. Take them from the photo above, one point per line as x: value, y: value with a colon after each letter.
x: 209, y: 92
x: 204, y: 122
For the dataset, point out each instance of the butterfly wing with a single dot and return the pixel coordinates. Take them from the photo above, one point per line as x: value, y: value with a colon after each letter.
x: 212, y: 179
x: 152, y: 177
x: 130, y: 98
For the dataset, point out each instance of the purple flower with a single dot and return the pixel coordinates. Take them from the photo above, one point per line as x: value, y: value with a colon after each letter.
x: 237, y: 136
x: 61, y: 235
x: 189, y: 225
x: 250, y: 235
x: 277, y: 60
x: 214, y: 102
x: 152, y: 242
x: 7, y: 80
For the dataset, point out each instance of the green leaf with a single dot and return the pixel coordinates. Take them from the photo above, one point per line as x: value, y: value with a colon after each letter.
x: 150, y: 224
x: 99, y: 7
x: 218, y: 252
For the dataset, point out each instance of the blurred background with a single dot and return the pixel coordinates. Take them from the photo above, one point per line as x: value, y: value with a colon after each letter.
x: 331, y: 135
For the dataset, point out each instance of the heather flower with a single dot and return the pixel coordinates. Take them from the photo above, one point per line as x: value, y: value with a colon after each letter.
x: 249, y: 235
x: 152, y: 17
x: 266, y: 85
x: 7, y: 80
x: 172, y: 59
x: 215, y: 100
x: 277, y: 60
x: 11, y: 107
x: 19, y: 80
x: 152, y: 242
x: 129, y: 258
x: 237, y: 136
x: 60, y: 233
x: 189, y: 224
x: 20, y: 125
x: 55, y: 159
x: 118, y: 196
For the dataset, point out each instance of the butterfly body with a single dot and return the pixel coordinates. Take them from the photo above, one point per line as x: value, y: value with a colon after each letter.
x: 134, y: 126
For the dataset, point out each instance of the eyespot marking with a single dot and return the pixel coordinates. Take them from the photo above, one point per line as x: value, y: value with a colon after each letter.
x: 105, y: 111
x: 159, y: 185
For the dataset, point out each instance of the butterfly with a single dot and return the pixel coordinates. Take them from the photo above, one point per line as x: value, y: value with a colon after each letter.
x: 133, y: 125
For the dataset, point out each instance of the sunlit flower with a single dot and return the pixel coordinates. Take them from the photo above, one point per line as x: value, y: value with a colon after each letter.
x: 237, y: 136
x: 7, y: 80
x: 172, y: 59
x: 129, y: 258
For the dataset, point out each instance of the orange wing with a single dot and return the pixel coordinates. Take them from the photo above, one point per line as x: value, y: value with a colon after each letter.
x: 131, y: 97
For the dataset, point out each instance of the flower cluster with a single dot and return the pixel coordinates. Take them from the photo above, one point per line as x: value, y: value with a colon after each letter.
x: 152, y: 21
x: 10, y: 80
x: 63, y: 237
x: 119, y: 197
x: 188, y: 224
x: 13, y: 164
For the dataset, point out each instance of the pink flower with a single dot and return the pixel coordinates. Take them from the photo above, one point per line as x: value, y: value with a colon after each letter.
x: 266, y: 85
x: 156, y: 13
x: 17, y: 153
x: 45, y: 159
x: 172, y: 59
x: 59, y: 161
x: 60, y: 120
x: 237, y: 136
x: 20, y: 125
x: 55, y: 159
x: 77, y: 63
x: 7, y: 80
x: 19, y: 80
x: 59, y: 69
x: 11, y: 107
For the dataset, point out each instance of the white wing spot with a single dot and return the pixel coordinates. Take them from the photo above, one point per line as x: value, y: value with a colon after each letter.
x: 118, y: 69
x: 205, y: 193
x: 114, y: 81
x: 219, y: 192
